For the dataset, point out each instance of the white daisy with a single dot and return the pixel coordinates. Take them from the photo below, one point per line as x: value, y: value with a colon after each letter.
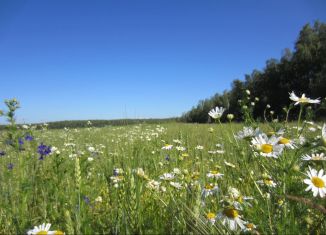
x: 209, y: 189
x: 180, y: 148
x: 211, y: 217
x: 230, y: 217
x: 167, y: 147
x: 288, y: 143
x: 314, y: 157
x: 176, y: 185
x: 267, y: 147
x: 316, y: 182
x: 249, y: 227
x: 267, y: 182
x: 214, y: 174
x: 199, y: 147
x: 303, y: 99
x: 41, y: 229
x: 247, y: 133
x: 167, y: 176
x: 216, y: 113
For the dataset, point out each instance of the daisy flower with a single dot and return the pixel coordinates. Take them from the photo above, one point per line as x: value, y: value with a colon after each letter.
x: 288, y: 143
x: 249, y: 227
x: 267, y: 147
x: 231, y: 218
x: 303, y: 99
x: 211, y: 217
x: 176, y: 185
x: 214, y: 174
x: 199, y: 147
x: 167, y: 176
x: 209, y: 189
x: 267, y: 182
x: 314, y: 157
x: 167, y: 147
x: 216, y: 113
x: 43, y: 229
x: 247, y: 133
x: 316, y: 182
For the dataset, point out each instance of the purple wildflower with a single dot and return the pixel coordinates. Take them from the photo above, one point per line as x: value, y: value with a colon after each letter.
x: 2, y: 153
x: 10, y: 166
x: 43, y: 150
x: 28, y: 137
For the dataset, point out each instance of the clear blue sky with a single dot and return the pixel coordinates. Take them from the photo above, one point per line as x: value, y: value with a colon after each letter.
x: 133, y: 59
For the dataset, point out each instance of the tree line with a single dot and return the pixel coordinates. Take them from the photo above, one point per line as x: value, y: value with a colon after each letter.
x: 302, y: 71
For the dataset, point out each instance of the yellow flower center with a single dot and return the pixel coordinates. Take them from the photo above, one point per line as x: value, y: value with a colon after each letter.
x: 284, y: 141
x: 303, y: 100
x: 250, y: 226
x: 316, y: 158
x: 58, y: 232
x: 318, y: 182
x: 214, y: 172
x: 271, y: 133
x: 268, y: 182
x: 267, y: 148
x: 209, y: 186
x: 211, y: 215
x: 42, y: 232
x: 240, y: 199
x: 231, y: 213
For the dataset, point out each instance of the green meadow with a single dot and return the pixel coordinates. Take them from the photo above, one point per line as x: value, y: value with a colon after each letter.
x: 172, y: 178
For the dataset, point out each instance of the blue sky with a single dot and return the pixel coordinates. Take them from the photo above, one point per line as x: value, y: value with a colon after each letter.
x: 136, y: 59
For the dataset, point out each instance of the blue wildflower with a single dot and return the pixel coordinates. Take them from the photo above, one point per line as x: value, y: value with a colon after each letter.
x: 86, y: 200
x: 28, y: 137
x: 10, y: 166
x: 167, y: 157
x: 43, y: 150
x: 2, y: 153
x: 20, y: 141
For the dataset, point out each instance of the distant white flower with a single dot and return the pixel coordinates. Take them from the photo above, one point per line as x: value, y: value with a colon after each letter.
x: 214, y: 174
x: 98, y: 199
x: 90, y: 159
x: 209, y: 189
x: 216, y: 113
x: 267, y: 147
x: 314, y: 157
x: 247, y: 132
x: 176, y: 171
x: 152, y: 184
x: 167, y: 176
x: 303, y: 99
x: 199, y: 147
x: 267, y: 182
x: 176, y: 185
x: 316, y: 182
x: 167, y: 147
x: 180, y: 148
x: 248, y: 92
x: 91, y: 149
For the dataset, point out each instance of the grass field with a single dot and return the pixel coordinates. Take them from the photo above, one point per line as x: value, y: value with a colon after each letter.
x: 169, y: 179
